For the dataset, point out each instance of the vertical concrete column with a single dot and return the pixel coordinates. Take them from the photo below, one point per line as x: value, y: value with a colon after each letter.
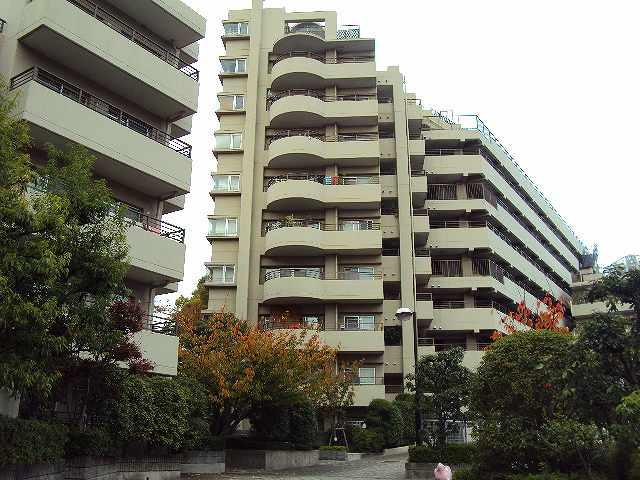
x: 467, y: 267
x: 461, y: 191
x: 403, y: 175
x: 469, y: 301
x: 250, y: 184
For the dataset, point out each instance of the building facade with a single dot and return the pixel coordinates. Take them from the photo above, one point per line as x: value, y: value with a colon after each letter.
x: 339, y: 199
x: 117, y: 77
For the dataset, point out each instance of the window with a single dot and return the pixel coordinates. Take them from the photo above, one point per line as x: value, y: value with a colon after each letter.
x: 226, y: 183
x: 222, y: 274
x: 234, y: 65
x: 350, y: 225
x: 236, y: 28
x: 359, y: 322
x: 228, y: 141
x: 367, y: 376
x: 231, y: 102
x: 223, y: 227
x: 311, y: 321
x: 358, y: 272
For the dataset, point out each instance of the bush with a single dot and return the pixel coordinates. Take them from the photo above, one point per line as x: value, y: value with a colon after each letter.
x: 407, y: 408
x: 634, y: 467
x: 367, y: 440
x: 96, y: 442
x: 386, y: 417
x: 467, y: 473
x: 27, y: 442
x: 333, y: 448
x: 303, y: 425
x: 454, y: 454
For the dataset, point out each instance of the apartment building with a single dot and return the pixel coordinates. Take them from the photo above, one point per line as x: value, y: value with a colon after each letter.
x: 339, y: 199
x: 581, y: 308
x: 117, y: 77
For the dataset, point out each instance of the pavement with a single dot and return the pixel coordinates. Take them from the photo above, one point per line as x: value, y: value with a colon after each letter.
x: 389, y: 467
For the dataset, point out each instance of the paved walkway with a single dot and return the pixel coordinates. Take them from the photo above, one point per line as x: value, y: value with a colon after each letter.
x: 372, y: 468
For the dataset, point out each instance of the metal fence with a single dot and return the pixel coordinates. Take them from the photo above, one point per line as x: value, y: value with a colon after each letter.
x: 98, y: 105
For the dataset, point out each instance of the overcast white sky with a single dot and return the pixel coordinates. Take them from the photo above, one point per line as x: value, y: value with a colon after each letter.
x: 556, y: 81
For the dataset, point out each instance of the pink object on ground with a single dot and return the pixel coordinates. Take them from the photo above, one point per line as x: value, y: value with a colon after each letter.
x: 442, y: 472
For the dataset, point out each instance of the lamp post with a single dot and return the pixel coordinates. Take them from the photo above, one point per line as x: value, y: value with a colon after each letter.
x: 404, y: 314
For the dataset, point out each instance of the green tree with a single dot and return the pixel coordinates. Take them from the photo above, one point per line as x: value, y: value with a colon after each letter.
x: 447, y: 386
x: 63, y: 261
x: 618, y: 287
x: 385, y: 417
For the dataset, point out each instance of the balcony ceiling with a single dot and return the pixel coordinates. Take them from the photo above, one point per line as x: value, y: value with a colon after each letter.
x: 169, y: 19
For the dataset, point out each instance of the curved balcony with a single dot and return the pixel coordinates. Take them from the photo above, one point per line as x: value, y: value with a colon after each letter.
x: 311, y: 70
x: 313, y: 109
x: 309, y: 285
x: 291, y: 149
x: 306, y: 239
x: 313, y: 192
x: 312, y: 38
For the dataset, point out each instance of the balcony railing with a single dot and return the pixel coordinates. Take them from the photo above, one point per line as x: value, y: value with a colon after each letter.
x: 322, y: 179
x: 318, y: 225
x: 424, y: 297
x: 481, y: 191
x: 136, y: 37
x: 160, y: 324
x: 487, y: 303
x: 94, y: 103
x: 395, y: 388
x: 319, y: 135
x: 320, y: 57
x: 446, y: 268
x: 448, y: 304
x: 318, y: 273
x: 272, y: 97
x: 485, y: 267
x: 368, y: 381
x: 442, y: 191
x: 154, y: 225
x: 3, y: 22
x: 311, y: 28
x: 267, y: 322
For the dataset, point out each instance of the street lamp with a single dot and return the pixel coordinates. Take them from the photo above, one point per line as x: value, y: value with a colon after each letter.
x: 404, y: 314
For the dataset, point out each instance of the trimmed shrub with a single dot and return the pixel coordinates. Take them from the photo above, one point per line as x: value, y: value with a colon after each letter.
x: 386, y: 417
x: 367, y: 440
x: 96, y: 442
x: 407, y: 407
x: 333, y: 448
x: 303, y: 425
x: 294, y: 424
x: 27, y: 442
x: 454, y: 454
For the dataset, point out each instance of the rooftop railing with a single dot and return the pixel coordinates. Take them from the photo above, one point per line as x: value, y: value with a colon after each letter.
x: 312, y: 28
x: 98, y: 105
x: 136, y: 37
x: 345, y: 32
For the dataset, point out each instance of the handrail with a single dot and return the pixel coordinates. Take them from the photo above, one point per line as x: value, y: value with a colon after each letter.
x: 136, y: 37
x: 269, y: 181
x: 98, y: 105
x: 273, y: 97
x: 317, y: 273
x: 363, y: 224
x: 155, y: 225
x: 368, y: 381
x: 322, y: 58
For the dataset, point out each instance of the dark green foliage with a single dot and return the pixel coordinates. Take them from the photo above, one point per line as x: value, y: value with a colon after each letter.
x: 634, y: 467
x: 293, y: 423
x: 407, y: 405
x: 393, y: 335
x: 453, y: 454
x: 386, y: 417
x: 159, y: 412
x: 333, y: 448
x: 96, y: 442
x: 447, y: 385
x: 365, y: 440
x: 27, y: 442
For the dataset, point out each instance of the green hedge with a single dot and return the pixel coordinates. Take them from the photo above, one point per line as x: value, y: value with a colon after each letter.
x: 386, y: 417
x: 367, y: 441
x: 333, y: 448
x: 634, y: 470
x: 96, y: 442
x: 454, y: 454
x: 27, y: 442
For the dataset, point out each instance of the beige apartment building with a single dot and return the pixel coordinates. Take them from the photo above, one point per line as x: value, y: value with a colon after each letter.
x: 339, y: 199
x: 116, y: 76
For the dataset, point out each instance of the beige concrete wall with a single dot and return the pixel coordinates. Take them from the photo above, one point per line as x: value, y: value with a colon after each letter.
x: 161, y: 350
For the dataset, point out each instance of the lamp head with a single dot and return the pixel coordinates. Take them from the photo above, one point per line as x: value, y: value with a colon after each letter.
x: 404, y: 313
